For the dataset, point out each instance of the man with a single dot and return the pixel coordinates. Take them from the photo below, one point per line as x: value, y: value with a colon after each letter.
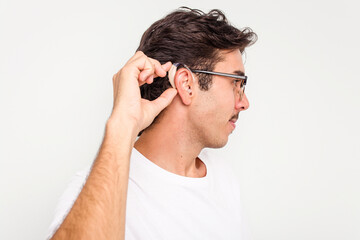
x: 162, y: 186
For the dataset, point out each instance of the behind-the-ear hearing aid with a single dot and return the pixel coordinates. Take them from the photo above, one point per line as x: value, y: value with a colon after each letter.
x: 172, y: 72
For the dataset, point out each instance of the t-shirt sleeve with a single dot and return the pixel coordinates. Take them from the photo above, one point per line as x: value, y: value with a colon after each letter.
x: 67, y: 200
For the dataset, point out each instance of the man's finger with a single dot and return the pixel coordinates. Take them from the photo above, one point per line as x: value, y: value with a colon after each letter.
x: 159, y: 71
x: 166, y: 66
x: 150, y: 79
x: 162, y: 102
x: 146, y: 70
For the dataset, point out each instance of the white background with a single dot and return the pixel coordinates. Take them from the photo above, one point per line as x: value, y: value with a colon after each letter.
x: 296, y: 149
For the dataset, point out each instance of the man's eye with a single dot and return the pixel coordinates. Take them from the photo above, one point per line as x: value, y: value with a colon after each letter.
x: 237, y: 82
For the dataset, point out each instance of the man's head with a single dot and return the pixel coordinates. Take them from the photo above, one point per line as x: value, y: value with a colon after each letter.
x: 193, y: 38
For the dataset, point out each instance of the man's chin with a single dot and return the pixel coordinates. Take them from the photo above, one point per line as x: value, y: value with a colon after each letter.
x: 220, y: 143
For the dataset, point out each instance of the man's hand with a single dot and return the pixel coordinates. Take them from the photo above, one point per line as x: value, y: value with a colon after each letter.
x: 128, y: 104
x: 99, y: 211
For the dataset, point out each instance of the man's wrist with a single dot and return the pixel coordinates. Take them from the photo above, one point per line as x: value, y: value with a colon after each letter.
x: 121, y: 127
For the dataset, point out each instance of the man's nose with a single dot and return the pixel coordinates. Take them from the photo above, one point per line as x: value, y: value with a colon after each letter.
x: 241, y: 104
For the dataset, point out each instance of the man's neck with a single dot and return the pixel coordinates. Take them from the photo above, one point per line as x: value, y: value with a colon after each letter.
x: 172, y: 149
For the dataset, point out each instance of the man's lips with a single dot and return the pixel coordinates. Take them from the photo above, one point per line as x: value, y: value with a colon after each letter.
x: 233, y: 121
x: 232, y: 124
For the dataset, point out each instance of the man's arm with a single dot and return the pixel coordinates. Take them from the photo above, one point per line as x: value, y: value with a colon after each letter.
x: 99, y: 211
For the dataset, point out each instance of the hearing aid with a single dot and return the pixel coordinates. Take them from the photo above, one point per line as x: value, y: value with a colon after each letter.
x: 172, y: 72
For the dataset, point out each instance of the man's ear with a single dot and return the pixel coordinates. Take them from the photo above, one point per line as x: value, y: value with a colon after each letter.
x: 184, y: 82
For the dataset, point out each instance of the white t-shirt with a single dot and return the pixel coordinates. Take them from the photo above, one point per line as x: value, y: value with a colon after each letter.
x: 164, y: 205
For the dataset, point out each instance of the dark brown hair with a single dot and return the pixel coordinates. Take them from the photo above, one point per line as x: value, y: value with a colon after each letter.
x: 194, y: 38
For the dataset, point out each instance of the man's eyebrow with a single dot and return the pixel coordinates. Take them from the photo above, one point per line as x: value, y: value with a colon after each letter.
x: 240, y: 73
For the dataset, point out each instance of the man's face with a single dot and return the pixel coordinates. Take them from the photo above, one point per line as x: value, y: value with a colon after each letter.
x: 215, y: 111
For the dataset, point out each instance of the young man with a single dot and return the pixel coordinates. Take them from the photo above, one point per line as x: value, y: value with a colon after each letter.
x: 162, y: 186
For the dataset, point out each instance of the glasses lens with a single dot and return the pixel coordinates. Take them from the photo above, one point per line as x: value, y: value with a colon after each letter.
x: 242, y: 92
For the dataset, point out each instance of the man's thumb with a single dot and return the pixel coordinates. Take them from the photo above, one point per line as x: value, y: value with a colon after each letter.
x: 163, y: 101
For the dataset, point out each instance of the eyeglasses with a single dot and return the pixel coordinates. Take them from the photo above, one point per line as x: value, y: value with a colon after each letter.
x: 239, y: 83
